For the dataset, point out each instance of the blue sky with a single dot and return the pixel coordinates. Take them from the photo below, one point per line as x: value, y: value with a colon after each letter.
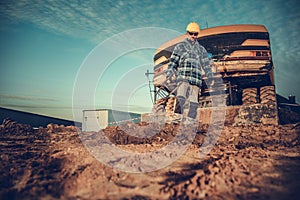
x: 45, y: 43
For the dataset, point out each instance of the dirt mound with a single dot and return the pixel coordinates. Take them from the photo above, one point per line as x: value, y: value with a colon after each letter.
x: 247, y: 162
x: 147, y: 133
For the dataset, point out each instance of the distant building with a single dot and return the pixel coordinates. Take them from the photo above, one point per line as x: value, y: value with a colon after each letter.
x: 94, y: 120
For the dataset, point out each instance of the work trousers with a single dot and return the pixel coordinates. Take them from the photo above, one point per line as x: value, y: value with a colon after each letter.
x: 187, y: 97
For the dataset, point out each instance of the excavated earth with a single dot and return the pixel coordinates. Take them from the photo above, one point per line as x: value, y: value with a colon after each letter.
x: 247, y: 162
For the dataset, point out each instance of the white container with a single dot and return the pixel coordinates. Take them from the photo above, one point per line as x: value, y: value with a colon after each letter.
x: 95, y: 120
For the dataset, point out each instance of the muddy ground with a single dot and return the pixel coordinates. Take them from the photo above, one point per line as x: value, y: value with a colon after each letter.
x: 247, y: 162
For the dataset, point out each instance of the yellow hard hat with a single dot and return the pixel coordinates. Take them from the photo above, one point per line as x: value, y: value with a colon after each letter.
x: 193, y: 27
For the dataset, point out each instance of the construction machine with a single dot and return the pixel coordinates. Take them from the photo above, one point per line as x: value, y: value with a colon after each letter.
x: 241, y: 61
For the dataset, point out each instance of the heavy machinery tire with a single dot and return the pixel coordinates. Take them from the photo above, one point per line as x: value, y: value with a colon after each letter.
x: 159, y: 106
x: 170, y: 105
x: 267, y: 95
x: 249, y: 96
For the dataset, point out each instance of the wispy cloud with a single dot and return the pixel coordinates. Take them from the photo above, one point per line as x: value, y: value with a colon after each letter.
x: 19, y: 106
x: 91, y: 18
x: 27, y: 98
x: 97, y: 20
x: 57, y: 16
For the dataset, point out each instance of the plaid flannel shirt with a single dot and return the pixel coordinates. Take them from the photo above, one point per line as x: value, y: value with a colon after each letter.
x: 188, y: 59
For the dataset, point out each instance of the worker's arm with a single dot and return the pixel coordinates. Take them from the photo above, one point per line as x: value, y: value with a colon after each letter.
x: 205, y: 63
x: 174, y: 61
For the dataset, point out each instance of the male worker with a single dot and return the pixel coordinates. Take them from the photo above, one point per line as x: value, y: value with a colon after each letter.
x: 188, y: 59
